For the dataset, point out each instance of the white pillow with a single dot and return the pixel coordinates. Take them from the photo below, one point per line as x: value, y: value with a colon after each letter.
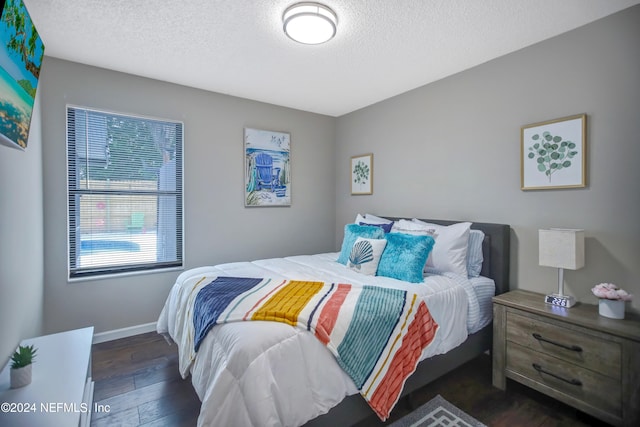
x: 371, y: 219
x: 449, y: 254
x: 411, y: 227
x: 365, y: 255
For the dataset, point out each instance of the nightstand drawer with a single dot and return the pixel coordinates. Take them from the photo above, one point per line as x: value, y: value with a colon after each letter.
x: 568, y: 379
x: 571, y: 345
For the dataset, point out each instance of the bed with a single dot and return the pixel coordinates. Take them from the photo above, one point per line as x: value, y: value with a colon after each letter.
x: 267, y: 373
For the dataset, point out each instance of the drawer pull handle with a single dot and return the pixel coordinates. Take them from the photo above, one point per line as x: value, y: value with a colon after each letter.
x: 568, y: 347
x: 540, y: 369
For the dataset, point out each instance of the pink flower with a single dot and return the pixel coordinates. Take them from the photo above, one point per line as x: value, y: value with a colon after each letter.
x: 611, y: 291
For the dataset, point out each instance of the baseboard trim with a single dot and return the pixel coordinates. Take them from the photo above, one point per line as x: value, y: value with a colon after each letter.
x: 123, y: 333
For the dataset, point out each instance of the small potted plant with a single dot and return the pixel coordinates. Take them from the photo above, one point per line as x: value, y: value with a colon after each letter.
x: 21, y: 366
x: 612, y: 300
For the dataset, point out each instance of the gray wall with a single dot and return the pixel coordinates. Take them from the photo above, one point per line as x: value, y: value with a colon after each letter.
x: 451, y: 150
x: 218, y: 228
x: 21, y: 279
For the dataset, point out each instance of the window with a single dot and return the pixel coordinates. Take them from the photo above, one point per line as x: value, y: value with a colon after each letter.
x: 125, y: 193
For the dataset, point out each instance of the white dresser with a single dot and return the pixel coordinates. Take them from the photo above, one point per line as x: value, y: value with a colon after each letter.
x: 61, y: 391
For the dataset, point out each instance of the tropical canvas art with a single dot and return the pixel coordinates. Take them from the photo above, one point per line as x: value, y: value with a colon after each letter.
x: 267, y: 168
x: 21, y: 53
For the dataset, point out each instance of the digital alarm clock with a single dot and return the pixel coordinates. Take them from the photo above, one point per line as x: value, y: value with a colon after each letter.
x: 560, y: 300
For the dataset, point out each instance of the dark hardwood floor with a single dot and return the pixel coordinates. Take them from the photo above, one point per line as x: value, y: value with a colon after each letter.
x: 137, y: 379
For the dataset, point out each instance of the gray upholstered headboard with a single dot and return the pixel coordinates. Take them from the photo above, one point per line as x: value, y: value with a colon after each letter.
x: 495, y: 248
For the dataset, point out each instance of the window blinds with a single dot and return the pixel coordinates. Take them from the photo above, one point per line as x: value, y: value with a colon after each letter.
x: 124, y: 192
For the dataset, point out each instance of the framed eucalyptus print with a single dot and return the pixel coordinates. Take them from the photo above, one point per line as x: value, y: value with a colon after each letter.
x: 362, y: 174
x: 553, y: 154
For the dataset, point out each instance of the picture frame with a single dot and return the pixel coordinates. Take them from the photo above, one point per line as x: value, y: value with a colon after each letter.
x: 267, y: 168
x: 553, y: 154
x: 21, y: 53
x: 361, y: 173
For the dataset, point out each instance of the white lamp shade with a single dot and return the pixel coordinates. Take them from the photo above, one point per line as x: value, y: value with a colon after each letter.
x: 310, y: 23
x: 561, y: 248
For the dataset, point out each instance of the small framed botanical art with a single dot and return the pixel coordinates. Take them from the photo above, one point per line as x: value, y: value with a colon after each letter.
x: 362, y: 174
x: 553, y: 154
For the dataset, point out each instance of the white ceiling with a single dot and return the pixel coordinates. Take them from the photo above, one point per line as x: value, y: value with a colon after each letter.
x: 237, y: 47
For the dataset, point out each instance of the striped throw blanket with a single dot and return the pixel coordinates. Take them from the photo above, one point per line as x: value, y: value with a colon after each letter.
x: 376, y: 334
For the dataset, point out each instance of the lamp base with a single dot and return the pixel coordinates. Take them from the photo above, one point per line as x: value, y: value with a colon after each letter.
x: 560, y: 300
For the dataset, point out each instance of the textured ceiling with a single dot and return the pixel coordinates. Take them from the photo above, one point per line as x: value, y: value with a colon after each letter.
x: 237, y: 47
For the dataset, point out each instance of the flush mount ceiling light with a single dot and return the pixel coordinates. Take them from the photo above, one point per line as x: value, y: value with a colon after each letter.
x: 310, y: 23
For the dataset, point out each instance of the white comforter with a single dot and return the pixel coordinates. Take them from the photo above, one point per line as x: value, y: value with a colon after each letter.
x: 272, y: 374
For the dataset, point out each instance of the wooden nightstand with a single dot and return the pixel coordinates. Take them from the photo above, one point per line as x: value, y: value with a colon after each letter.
x: 571, y: 354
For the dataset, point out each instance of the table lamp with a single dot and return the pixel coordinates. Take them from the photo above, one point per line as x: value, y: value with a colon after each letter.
x: 561, y: 248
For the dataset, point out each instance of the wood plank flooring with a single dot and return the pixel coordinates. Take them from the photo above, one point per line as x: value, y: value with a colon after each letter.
x: 137, y: 377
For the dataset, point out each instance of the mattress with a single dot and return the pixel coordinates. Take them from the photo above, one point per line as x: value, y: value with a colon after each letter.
x: 484, y: 289
x: 271, y: 374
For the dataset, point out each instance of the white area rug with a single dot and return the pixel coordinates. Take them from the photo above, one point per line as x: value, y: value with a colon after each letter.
x: 437, y: 412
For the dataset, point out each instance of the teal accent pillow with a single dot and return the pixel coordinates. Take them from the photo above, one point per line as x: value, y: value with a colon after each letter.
x: 404, y: 256
x: 351, y: 233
